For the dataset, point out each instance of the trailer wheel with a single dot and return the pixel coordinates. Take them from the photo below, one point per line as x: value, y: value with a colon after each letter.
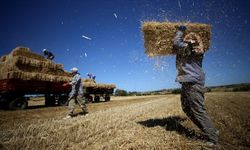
x: 97, y: 98
x: 90, y: 99
x: 18, y: 104
x: 50, y: 100
x: 107, y: 98
x: 63, y: 100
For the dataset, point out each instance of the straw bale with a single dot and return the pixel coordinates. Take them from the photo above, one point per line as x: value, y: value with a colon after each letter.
x: 2, y: 58
x: 89, y: 84
x: 20, y: 60
x: 23, y: 64
x: 23, y: 51
x: 20, y: 63
x: 33, y: 76
x: 33, y: 62
x: 158, y: 37
x: 101, y: 86
x: 112, y: 86
x: 88, y: 80
x: 105, y: 86
x: 6, y: 67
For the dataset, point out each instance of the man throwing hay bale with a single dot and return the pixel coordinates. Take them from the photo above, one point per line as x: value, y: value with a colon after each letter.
x: 189, y: 48
x: 189, y: 56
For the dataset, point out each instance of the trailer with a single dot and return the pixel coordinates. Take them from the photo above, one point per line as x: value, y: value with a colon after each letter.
x: 13, y: 91
x: 96, y: 94
x: 23, y: 72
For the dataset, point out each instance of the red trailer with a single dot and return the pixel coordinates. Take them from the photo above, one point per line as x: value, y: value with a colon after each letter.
x: 23, y: 72
x: 12, y: 92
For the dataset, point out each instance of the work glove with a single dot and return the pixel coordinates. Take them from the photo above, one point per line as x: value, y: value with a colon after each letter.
x: 182, y: 28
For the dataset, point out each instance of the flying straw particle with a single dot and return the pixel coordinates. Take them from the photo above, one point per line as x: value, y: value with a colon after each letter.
x: 115, y: 15
x: 88, y: 38
x: 179, y: 3
x: 85, y: 54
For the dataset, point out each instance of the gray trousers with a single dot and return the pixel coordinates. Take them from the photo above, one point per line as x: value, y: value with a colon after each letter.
x: 79, y: 99
x: 192, y: 101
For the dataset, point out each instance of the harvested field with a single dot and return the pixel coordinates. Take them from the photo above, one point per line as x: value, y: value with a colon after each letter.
x: 154, y: 122
x: 158, y: 36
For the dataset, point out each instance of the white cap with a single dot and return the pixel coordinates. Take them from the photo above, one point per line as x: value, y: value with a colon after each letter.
x: 44, y: 50
x: 74, y: 69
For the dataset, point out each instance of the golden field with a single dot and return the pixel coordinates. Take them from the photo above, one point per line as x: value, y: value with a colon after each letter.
x: 143, y: 122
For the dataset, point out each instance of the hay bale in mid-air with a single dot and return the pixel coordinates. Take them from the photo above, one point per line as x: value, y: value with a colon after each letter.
x: 158, y: 37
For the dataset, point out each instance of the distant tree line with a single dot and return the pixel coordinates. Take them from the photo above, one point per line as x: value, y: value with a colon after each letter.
x: 226, y: 88
x: 242, y: 88
x: 176, y: 91
x: 120, y: 92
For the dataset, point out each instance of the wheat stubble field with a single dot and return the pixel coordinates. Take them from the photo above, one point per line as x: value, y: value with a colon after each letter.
x: 149, y: 122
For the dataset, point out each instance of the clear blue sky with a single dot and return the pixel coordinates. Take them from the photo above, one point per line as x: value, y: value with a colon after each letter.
x: 115, y: 53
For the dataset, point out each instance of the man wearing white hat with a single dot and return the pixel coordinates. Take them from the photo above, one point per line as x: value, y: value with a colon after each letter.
x: 76, y: 94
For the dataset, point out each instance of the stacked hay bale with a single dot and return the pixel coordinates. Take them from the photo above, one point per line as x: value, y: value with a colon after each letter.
x: 23, y: 64
x: 106, y: 86
x: 90, y: 83
x: 158, y: 37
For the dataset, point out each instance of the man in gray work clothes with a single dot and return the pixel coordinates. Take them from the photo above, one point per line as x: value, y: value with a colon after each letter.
x: 192, y: 78
x: 76, y: 94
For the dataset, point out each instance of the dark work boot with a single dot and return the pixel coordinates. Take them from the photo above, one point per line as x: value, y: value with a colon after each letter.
x: 84, y: 110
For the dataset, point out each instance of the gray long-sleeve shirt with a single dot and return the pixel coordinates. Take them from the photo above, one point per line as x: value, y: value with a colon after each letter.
x: 188, y: 63
x: 76, y: 85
